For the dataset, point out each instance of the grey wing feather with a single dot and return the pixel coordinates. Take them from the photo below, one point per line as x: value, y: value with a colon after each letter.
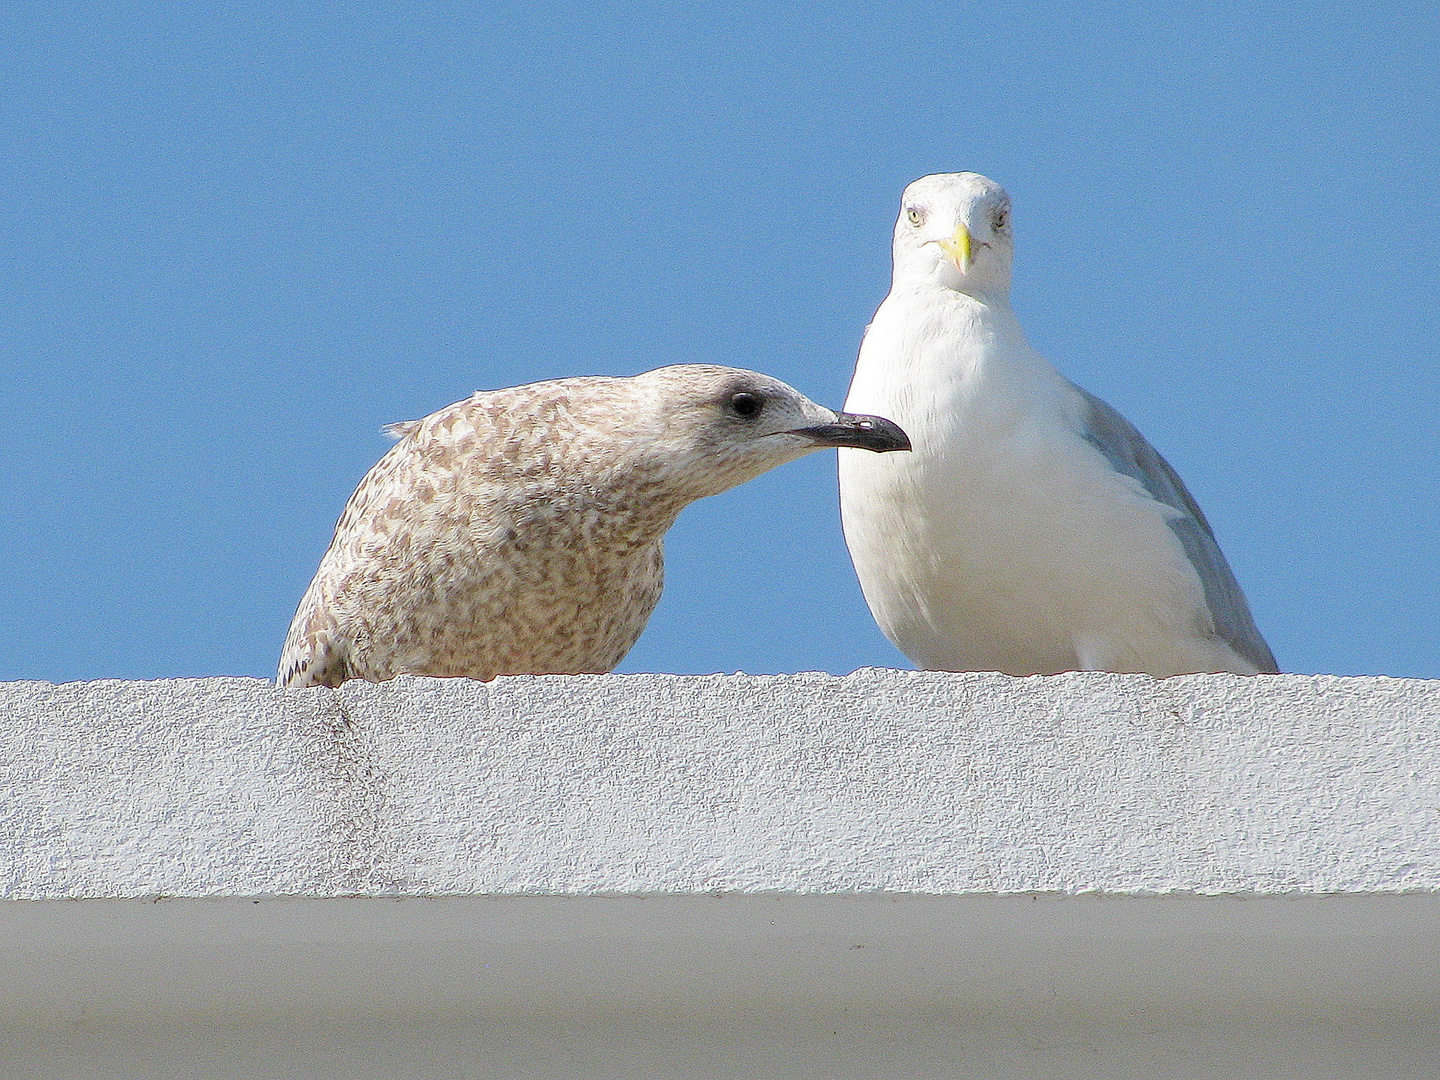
x: 1128, y: 452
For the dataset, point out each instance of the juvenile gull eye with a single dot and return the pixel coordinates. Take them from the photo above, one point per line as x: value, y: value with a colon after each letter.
x: 745, y: 405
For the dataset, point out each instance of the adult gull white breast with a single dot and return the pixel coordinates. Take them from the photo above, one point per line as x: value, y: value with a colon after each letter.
x: 520, y: 531
x: 1032, y: 530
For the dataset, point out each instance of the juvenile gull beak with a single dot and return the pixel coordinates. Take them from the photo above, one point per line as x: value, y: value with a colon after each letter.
x: 864, y: 432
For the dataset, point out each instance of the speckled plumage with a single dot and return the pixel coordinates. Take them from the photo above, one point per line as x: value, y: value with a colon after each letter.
x: 520, y: 530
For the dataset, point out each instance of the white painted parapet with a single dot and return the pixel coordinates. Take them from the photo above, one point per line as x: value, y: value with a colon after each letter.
x: 879, y: 782
x: 888, y: 874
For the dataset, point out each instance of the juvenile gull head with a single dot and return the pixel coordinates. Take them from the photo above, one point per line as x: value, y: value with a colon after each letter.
x: 520, y: 531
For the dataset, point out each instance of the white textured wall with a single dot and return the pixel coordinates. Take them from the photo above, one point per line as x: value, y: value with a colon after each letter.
x: 730, y: 876
x: 881, y: 781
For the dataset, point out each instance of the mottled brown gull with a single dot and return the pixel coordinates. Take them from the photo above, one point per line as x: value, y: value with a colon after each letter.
x: 1033, y: 530
x: 520, y: 531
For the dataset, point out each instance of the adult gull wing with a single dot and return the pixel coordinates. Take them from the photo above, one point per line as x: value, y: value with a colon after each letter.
x: 1128, y: 452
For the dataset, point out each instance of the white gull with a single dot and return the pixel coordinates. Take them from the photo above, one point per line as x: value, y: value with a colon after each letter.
x: 1033, y: 530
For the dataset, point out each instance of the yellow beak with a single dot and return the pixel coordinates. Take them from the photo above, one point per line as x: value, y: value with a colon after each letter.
x: 958, y: 247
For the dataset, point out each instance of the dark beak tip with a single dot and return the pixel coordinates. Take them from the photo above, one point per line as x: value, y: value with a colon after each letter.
x: 874, y: 433
x: 892, y: 434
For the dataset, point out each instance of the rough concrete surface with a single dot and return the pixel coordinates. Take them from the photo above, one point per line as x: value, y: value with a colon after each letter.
x: 652, y: 876
x: 878, y: 782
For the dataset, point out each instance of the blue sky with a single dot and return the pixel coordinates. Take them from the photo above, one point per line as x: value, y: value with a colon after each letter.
x: 237, y: 239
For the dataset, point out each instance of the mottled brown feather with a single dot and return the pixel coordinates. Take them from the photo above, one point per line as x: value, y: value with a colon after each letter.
x: 520, y: 530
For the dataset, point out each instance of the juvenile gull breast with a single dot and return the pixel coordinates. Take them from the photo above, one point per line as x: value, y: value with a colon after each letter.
x: 1033, y: 530
x: 520, y: 530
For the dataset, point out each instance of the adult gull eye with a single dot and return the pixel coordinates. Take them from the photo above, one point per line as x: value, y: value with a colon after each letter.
x: 915, y: 216
x: 746, y: 405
